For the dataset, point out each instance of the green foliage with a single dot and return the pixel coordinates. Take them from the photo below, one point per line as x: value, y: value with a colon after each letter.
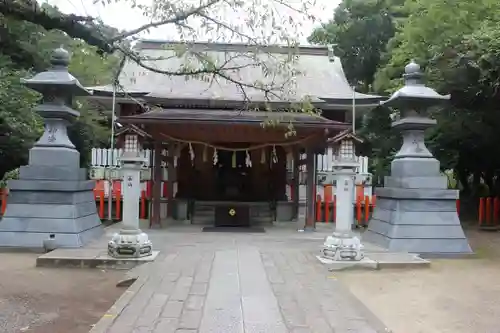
x: 19, y: 126
x: 359, y: 32
x: 25, y: 48
x: 12, y: 174
x: 457, y: 42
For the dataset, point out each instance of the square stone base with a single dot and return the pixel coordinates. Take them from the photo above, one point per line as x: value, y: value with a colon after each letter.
x: 90, y: 258
x: 417, y: 221
x: 39, y: 209
x: 340, y: 265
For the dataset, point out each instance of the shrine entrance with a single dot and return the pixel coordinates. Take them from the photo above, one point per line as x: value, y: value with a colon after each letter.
x: 233, y: 177
x: 229, y: 169
x: 236, y: 173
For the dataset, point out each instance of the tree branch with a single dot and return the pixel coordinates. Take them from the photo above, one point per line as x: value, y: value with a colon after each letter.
x: 71, y: 24
x: 177, y: 19
x: 215, y: 72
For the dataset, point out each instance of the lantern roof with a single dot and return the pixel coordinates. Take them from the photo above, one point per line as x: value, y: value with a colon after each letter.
x: 133, y: 129
x: 57, y: 78
x: 415, y: 94
x: 345, y: 135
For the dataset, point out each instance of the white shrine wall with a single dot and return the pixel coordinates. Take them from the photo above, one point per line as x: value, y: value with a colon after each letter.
x: 105, y: 160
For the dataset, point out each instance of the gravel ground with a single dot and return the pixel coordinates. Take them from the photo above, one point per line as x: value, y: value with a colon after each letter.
x: 37, y: 300
x: 453, y: 296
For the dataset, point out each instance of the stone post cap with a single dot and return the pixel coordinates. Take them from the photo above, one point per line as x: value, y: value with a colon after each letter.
x: 415, y: 94
x: 57, y: 80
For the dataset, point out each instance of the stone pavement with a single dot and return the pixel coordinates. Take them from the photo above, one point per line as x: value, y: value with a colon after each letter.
x: 232, y: 283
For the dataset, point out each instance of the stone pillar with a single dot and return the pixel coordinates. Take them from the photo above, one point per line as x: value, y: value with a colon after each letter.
x: 416, y: 212
x: 131, y: 242
x: 52, y: 201
x: 343, y: 244
x: 310, y: 190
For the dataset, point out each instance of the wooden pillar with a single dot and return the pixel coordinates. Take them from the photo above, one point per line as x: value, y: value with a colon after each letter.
x: 296, y: 182
x: 311, y: 189
x: 170, y: 183
x: 157, y: 177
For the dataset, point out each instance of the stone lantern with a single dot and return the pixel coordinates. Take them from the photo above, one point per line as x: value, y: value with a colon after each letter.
x: 343, y: 244
x: 416, y: 212
x: 52, y: 201
x: 131, y: 242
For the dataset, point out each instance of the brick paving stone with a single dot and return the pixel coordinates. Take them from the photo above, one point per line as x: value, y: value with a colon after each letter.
x: 202, y: 274
x: 261, y: 312
x: 152, y: 311
x: 302, y: 330
x: 166, y: 325
x: 239, y: 283
x: 194, y: 302
x: 182, y: 288
x: 199, y: 288
x: 222, y: 311
x: 172, y: 309
x: 190, y: 319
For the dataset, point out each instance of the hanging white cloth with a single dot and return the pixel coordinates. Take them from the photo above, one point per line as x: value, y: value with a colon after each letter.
x: 248, y: 160
x: 215, y: 157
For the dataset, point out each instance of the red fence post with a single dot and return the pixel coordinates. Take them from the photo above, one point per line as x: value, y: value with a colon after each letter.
x: 488, y: 210
x: 458, y: 206
x: 367, y: 209
x: 496, y: 207
x: 358, y: 209
x: 101, y: 204
x: 481, y: 211
x: 165, y: 189
x: 328, y: 199
x: 118, y: 204
x: 3, y: 193
x: 318, y: 208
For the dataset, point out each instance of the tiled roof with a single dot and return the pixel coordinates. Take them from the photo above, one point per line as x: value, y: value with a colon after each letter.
x: 318, y: 74
x: 229, y: 116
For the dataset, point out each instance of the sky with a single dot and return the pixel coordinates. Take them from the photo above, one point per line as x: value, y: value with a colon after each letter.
x: 120, y: 15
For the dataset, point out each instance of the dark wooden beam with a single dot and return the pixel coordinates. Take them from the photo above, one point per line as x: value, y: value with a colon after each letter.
x: 296, y: 182
x: 157, y: 177
x: 310, y: 190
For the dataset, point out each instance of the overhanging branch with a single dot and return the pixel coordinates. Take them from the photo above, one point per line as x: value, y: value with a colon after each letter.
x: 73, y: 25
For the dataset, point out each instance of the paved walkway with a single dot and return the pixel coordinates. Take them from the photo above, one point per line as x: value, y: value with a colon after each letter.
x: 232, y: 283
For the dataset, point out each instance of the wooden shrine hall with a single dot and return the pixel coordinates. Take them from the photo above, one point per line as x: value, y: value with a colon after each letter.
x: 227, y: 148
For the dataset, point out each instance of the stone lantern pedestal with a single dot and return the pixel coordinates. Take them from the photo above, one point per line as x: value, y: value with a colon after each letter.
x: 344, y: 244
x: 130, y: 242
x: 416, y: 212
x: 52, y: 201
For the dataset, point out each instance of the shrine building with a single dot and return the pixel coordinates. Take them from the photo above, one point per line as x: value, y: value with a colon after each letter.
x: 226, y: 147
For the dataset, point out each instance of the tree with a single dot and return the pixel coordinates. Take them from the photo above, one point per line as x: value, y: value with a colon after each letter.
x: 360, y: 31
x: 455, y: 40
x: 263, y: 22
x: 26, y: 48
x: 19, y: 126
